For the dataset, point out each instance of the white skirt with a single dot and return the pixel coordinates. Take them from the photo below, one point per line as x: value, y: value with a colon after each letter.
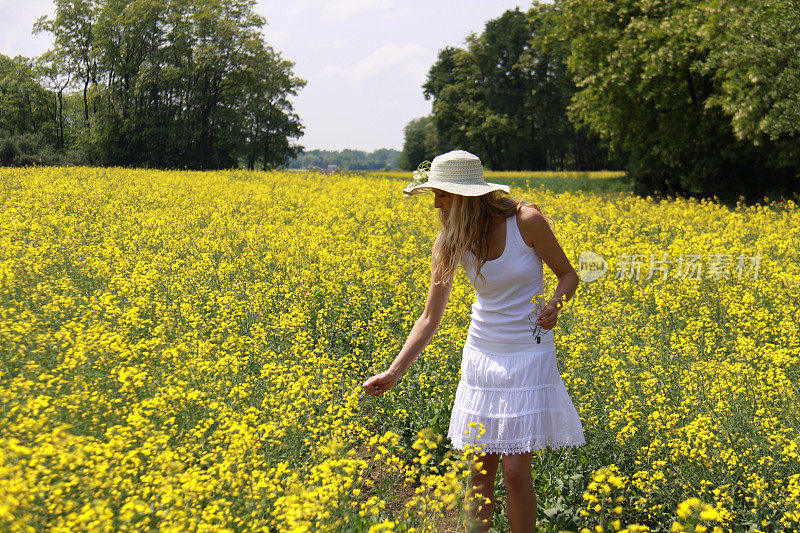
x: 516, y: 392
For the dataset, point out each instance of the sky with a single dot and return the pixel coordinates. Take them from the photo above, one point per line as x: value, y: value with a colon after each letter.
x: 364, y: 61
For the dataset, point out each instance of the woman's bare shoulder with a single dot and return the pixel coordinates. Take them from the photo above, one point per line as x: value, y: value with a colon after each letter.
x: 532, y: 224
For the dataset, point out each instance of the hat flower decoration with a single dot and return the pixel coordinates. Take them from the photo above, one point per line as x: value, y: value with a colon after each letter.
x: 420, y: 176
x: 457, y: 172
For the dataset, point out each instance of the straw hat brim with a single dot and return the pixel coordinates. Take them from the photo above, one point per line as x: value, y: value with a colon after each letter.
x: 463, y: 189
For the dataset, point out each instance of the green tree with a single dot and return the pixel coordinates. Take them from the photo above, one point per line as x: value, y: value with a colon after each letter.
x: 176, y: 84
x: 478, y: 92
x: 56, y: 74
x: 270, y: 118
x: 28, y: 126
x: 648, y: 88
x: 756, y: 62
x: 504, y: 97
x: 346, y: 159
x: 24, y: 104
x: 73, y: 29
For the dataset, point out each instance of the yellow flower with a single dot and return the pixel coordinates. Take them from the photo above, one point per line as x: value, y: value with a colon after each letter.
x: 709, y: 514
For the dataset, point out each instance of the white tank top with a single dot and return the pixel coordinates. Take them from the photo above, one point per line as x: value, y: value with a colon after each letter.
x: 503, y: 311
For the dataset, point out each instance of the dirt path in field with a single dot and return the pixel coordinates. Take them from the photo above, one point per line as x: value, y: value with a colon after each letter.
x: 397, y: 493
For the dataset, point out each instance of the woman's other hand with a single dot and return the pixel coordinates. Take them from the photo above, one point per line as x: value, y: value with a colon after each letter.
x: 380, y: 383
x: 548, y: 318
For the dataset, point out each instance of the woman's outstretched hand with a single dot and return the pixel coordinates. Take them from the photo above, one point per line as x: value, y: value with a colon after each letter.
x: 548, y: 318
x: 380, y: 383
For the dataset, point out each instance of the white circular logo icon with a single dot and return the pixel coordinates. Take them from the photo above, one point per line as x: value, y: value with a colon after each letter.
x: 591, y: 266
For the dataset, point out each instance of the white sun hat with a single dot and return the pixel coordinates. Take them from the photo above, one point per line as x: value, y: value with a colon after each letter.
x: 457, y: 172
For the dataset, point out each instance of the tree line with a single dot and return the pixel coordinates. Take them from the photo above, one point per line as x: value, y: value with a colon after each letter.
x: 504, y: 97
x: 697, y: 98
x: 382, y: 159
x: 156, y: 83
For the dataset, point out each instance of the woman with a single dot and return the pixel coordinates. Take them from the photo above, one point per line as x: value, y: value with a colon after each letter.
x: 509, y: 378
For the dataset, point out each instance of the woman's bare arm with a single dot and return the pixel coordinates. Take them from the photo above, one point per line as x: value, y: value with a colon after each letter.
x: 537, y: 233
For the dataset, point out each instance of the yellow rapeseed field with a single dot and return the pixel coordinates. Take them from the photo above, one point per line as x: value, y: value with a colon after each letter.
x: 184, y: 351
x: 490, y: 175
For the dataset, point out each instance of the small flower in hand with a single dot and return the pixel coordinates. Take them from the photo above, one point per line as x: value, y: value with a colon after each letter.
x: 548, y: 318
x: 547, y: 315
x: 536, y: 329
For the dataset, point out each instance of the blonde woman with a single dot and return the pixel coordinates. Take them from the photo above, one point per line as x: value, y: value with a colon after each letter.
x: 510, y: 383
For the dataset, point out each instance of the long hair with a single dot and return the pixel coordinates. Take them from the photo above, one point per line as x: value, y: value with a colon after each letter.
x: 467, y: 226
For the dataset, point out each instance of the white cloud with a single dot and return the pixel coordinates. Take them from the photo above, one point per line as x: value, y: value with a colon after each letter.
x: 410, y: 60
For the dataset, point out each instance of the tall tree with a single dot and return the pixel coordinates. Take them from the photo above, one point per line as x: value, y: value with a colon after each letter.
x: 28, y: 130
x: 504, y: 96
x: 269, y: 114
x: 648, y: 87
x: 756, y: 63
x: 73, y: 28
x: 478, y: 92
x: 24, y: 104
x: 56, y: 74
x: 171, y: 83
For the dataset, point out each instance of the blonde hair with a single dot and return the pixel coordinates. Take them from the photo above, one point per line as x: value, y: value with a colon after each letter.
x: 467, y: 226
